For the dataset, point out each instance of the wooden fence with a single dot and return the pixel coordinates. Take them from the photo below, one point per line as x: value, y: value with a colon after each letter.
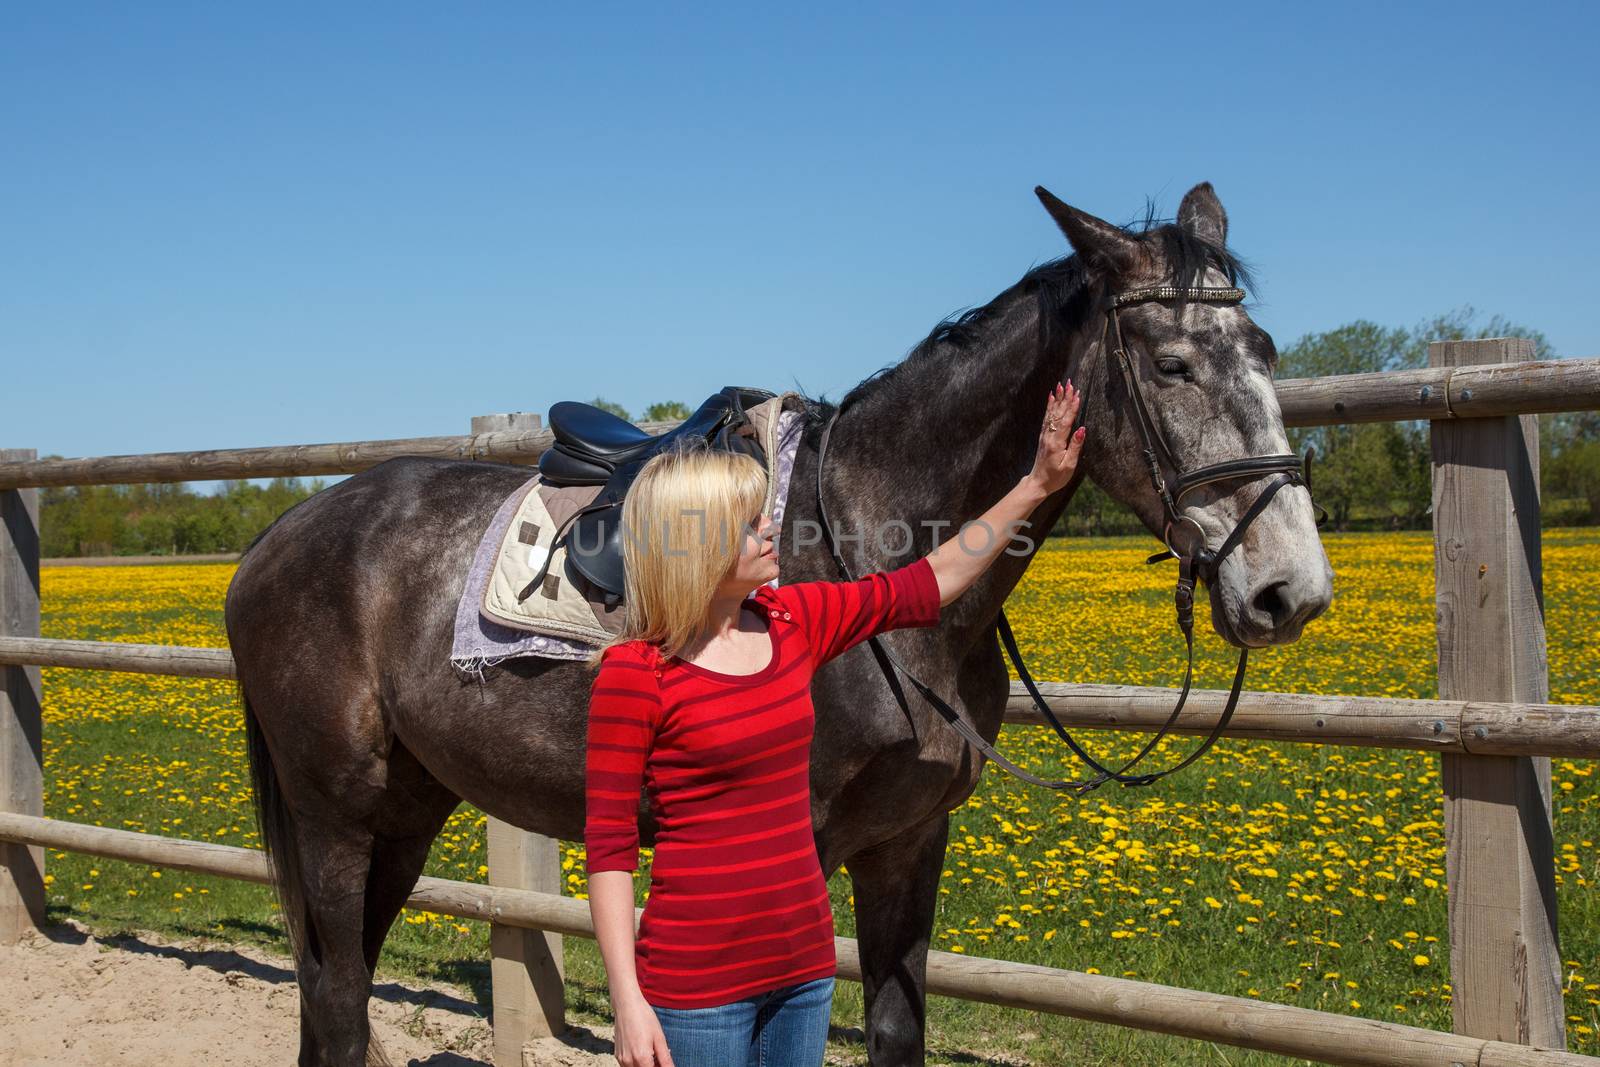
x: 1492, y: 727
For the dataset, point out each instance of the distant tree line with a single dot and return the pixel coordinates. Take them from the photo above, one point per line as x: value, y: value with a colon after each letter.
x: 1368, y: 476
x: 162, y: 519
x: 173, y: 519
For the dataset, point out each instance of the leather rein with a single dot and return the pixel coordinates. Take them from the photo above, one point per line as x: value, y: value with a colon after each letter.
x: 1185, y: 540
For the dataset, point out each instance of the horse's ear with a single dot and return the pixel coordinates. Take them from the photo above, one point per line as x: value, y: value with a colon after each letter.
x: 1097, y: 241
x: 1202, y: 215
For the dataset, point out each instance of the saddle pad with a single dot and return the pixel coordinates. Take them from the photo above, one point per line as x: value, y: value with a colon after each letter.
x: 560, y: 606
x: 565, y: 618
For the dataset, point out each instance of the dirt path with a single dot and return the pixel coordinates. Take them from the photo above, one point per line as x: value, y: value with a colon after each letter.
x: 70, y: 1000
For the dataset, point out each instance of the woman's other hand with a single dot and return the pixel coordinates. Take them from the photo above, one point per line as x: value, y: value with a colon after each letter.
x: 1059, y: 446
x: 637, y: 1040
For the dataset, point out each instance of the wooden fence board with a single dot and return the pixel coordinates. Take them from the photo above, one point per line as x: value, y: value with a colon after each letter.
x: 1483, y: 727
x: 1505, y: 965
x: 21, y: 721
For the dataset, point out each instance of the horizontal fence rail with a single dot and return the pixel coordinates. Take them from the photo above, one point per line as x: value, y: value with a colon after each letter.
x: 1476, y: 727
x: 1534, y: 387
x: 1570, y: 731
x: 1280, y: 1028
x: 1386, y: 396
x: 178, y: 660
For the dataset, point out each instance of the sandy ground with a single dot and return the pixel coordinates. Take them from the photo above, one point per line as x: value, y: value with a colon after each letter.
x: 69, y: 1000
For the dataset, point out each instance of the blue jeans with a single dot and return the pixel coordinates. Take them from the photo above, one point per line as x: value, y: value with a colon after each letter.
x: 785, y: 1027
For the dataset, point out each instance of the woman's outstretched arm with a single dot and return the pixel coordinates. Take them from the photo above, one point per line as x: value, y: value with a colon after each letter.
x: 837, y: 616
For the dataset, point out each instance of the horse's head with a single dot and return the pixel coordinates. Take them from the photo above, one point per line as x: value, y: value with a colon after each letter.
x: 1204, y: 373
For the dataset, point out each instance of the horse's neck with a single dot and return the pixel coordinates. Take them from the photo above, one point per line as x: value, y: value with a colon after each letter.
x: 955, y: 433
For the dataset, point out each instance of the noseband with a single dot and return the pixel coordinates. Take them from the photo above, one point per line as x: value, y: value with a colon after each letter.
x: 1185, y: 539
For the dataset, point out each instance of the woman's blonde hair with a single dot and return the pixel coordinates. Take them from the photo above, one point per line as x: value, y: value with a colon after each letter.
x: 684, y: 521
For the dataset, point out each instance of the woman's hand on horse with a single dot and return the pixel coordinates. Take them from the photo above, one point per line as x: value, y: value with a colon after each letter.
x: 1059, y: 445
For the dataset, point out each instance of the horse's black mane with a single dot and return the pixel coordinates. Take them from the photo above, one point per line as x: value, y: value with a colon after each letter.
x: 1060, y: 288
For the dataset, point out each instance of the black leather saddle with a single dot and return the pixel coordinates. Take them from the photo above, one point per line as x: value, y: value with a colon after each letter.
x: 595, y: 447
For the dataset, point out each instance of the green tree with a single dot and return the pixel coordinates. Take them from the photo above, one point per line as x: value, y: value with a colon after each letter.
x: 616, y: 409
x: 1569, y: 464
x: 1462, y: 324
x: 666, y: 411
x: 161, y: 519
x: 1093, y: 513
x: 1351, y: 468
x: 1380, y: 473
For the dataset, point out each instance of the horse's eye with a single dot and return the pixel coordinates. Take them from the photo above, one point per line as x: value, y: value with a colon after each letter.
x: 1173, y: 367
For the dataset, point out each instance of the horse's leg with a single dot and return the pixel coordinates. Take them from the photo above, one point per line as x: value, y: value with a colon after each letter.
x: 335, y: 856
x: 314, y: 805
x: 414, y: 810
x: 396, y: 863
x: 411, y: 814
x: 318, y: 797
x: 896, y: 888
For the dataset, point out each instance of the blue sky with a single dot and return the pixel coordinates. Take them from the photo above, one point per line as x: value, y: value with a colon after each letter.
x: 237, y: 225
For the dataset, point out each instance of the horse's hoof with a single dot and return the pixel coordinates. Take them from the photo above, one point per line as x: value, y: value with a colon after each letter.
x: 376, y: 1057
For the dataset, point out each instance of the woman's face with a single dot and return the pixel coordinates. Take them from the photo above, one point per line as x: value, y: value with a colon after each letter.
x: 758, y: 556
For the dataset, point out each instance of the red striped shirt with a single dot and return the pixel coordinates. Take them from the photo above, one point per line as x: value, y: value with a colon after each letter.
x: 738, y: 904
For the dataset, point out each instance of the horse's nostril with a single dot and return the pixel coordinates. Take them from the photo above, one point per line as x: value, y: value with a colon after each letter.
x: 1270, y: 601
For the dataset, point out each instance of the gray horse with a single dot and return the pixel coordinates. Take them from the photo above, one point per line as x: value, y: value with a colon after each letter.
x: 362, y: 738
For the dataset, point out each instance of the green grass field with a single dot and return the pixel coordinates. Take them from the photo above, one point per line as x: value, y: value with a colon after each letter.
x: 1298, y: 874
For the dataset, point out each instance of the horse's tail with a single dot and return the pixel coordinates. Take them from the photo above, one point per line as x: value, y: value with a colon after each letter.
x: 275, y: 822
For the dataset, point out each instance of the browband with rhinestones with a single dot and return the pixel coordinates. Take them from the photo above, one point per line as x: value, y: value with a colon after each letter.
x: 1178, y: 292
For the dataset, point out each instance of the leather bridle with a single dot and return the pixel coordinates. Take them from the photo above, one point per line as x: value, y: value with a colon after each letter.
x: 1185, y: 539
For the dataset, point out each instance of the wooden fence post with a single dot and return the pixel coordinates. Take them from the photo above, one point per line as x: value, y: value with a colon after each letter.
x: 1505, y: 964
x: 21, y: 724
x: 527, y: 969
